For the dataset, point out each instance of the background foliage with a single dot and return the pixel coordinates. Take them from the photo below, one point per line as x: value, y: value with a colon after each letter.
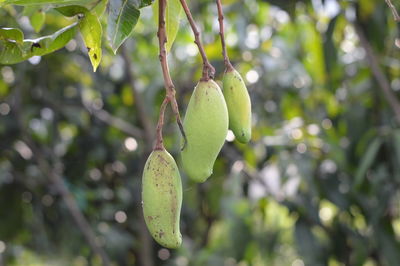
x: 317, y: 185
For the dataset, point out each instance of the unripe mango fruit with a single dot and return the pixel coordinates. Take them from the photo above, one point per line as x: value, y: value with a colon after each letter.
x: 239, y: 105
x: 162, y: 198
x: 206, y: 127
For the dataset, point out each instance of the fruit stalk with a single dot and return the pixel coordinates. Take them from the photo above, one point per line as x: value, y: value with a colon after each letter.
x: 160, y: 142
x: 169, y: 85
x: 227, y: 62
x: 208, y: 69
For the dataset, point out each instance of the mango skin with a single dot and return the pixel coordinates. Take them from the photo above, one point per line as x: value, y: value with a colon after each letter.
x: 239, y: 105
x: 162, y: 198
x: 206, y: 126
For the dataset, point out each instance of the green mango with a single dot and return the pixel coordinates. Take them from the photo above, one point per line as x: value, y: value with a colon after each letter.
x: 162, y: 198
x: 239, y: 105
x: 206, y: 127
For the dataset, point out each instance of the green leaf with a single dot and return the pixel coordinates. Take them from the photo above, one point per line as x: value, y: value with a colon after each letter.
x: 41, y: 2
x: 90, y: 28
x: 71, y: 11
x: 37, y: 20
x: 92, y: 31
x: 12, y: 52
x: 172, y: 20
x: 366, y: 161
x: 122, y: 18
x: 11, y: 34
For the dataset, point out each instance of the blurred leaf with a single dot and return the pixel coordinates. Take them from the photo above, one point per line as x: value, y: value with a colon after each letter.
x: 330, y: 53
x: 290, y: 107
x: 308, y: 245
x: 313, y: 48
x: 37, y: 20
x: 11, y: 211
x: 367, y: 8
x: 396, y: 138
x: 388, y: 245
x: 122, y: 18
x: 127, y: 96
x: 367, y: 161
x: 29, y: 10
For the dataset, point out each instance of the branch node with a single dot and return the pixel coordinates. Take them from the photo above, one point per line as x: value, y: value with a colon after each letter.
x: 169, y: 85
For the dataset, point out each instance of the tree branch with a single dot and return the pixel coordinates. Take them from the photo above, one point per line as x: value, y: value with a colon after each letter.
x: 116, y: 122
x: 208, y: 69
x: 379, y: 76
x: 228, y: 65
x: 394, y: 11
x: 56, y: 179
x: 102, y: 115
x: 146, y: 248
x: 139, y: 102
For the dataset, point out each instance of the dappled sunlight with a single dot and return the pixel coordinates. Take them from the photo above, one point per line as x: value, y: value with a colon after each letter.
x: 317, y: 184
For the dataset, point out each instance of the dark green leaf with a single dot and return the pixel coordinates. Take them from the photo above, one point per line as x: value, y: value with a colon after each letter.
x: 71, y: 11
x: 122, y: 18
x: 308, y: 245
x: 13, y: 52
x: 144, y: 3
x: 41, y: 2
